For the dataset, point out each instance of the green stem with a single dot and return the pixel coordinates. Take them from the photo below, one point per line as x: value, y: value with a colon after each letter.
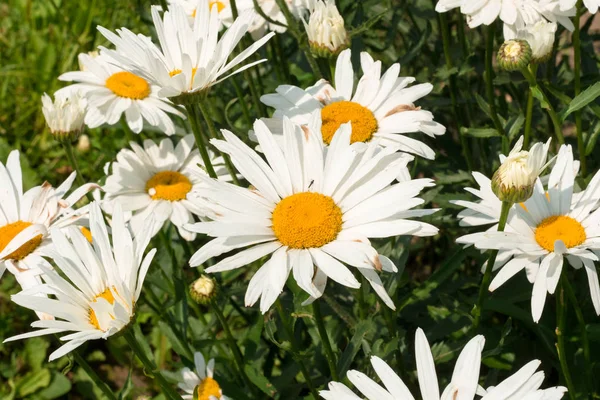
x: 528, y: 119
x: 243, y: 105
x: 489, y: 81
x: 214, y: 134
x: 577, y: 72
x: 237, y: 354
x: 443, y: 19
x: 73, y: 161
x: 100, y: 384
x: 561, y: 319
x: 149, y: 365
x: 487, y: 276
x: 584, y: 337
x: 289, y: 331
x: 329, y: 355
x: 533, y: 85
x: 199, y: 136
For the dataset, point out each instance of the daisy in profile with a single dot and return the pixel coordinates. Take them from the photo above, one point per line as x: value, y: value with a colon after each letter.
x: 102, y: 282
x: 200, y: 384
x: 64, y: 116
x: 112, y: 92
x: 381, y: 108
x: 464, y: 384
x: 312, y: 210
x: 194, y: 62
x: 155, y: 180
x: 551, y: 226
x: 26, y: 219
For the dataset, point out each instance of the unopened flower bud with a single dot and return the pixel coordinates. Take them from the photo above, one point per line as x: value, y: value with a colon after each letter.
x: 203, y: 289
x: 514, y: 54
x: 65, y: 116
x: 326, y: 32
x: 514, y: 180
x: 540, y: 37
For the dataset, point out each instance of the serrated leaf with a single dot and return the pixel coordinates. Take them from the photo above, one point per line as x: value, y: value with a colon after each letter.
x: 583, y: 99
x: 362, y: 328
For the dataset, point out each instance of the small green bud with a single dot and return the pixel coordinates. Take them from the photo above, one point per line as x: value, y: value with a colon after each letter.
x: 514, y: 54
x: 203, y: 289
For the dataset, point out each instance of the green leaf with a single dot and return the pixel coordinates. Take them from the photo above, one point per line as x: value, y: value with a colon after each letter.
x: 179, y: 347
x: 260, y: 381
x: 35, y: 352
x: 59, y: 386
x: 592, y: 142
x: 586, y: 97
x: 537, y: 93
x: 514, y: 126
x: 485, y: 107
x: 354, y: 346
x: 33, y: 382
x: 480, y: 132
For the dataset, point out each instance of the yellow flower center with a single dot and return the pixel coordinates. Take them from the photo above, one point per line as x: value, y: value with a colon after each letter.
x: 106, y: 295
x: 220, y: 7
x: 86, y: 232
x: 168, y: 185
x: 125, y: 84
x: 562, y: 228
x: 306, y: 220
x: 207, y: 388
x: 513, y: 49
x: 364, y: 123
x: 9, y: 232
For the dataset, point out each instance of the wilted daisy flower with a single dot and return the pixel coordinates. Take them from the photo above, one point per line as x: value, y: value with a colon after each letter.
x: 103, y: 282
x: 311, y: 209
x: 325, y: 28
x: 200, y: 385
x: 185, y: 68
x: 27, y: 217
x: 515, y: 178
x: 111, y: 92
x: 523, y: 385
x: 540, y: 37
x: 64, y: 116
x: 548, y: 227
x: 382, y: 107
x: 155, y: 181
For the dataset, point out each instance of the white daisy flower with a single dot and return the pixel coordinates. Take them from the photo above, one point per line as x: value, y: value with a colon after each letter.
x: 201, y: 380
x: 155, y: 181
x: 223, y: 8
x: 325, y: 29
x: 26, y: 219
x: 550, y: 226
x: 191, y: 58
x: 540, y: 37
x: 277, y: 22
x: 382, y: 107
x: 65, y: 116
x: 311, y: 209
x: 524, y: 384
x: 111, y: 91
x: 591, y: 5
x: 103, y: 284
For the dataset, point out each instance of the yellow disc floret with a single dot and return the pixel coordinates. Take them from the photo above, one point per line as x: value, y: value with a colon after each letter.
x: 106, y: 295
x: 125, y: 84
x: 207, y: 388
x: 86, y: 232
x: 9, y: 232
x: 364, y: 123
x: 306, y: 220
x: 562, y: 228
x: 168, y: 185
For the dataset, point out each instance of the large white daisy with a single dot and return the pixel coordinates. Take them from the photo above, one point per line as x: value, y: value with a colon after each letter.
x: 191, y: 58
x: 27, y: 217
x: 155, y: 180
x: 552, y: 225
x: 312, y: 209
x: 382, y: 106
x: 103, y: 282
x: 464, y: 385
x: 111, y: 91
x: 207, y: 386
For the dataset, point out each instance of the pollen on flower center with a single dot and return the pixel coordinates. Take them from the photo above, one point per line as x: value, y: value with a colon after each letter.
x: 562, y: 228
x: 207, y: 388
x: 106, y: 295
x: 125, y: 84
x: 364, y: 123
x: 306, y: 220
x: 168, y: 185
x: 9, y: 232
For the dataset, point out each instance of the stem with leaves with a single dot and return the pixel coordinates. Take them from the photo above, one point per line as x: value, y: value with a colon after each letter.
x: 329, y: 355
x: 577, y: 73
x: 199, y: 135
x: 100, y: 384
x: 561, y: 320
x: 73, y: 161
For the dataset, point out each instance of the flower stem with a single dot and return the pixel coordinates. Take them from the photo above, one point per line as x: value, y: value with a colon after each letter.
x: 199, y: 136
x: 577, y: 73
x: 489, y: 81
x: 329, y: 355
x: 237, y: 354
x: 243, y: 105
x: 528, y: 119
x: 561, y: 319
x: 100, y: 384
x: 487, y: 276
x: 149, y: 365
x: 214, y: 134
x: 73, y: 161
x: 289, y: 330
